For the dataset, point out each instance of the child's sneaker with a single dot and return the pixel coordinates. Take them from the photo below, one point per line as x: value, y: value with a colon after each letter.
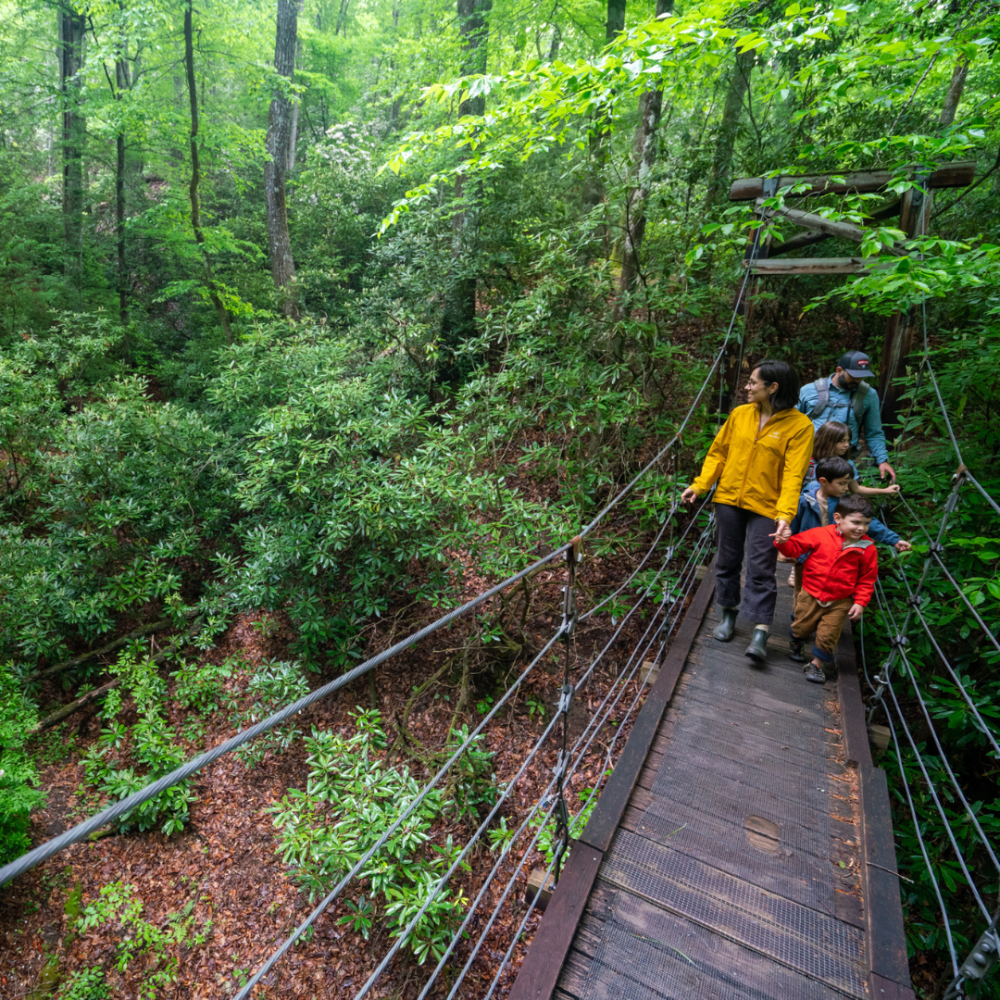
x: 795, y: 652
x: 814, y: 674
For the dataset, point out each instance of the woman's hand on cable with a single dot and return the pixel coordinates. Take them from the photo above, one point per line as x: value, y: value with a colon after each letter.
x: 689, y: 495
x: 782, y: 533
x: 856, y: 611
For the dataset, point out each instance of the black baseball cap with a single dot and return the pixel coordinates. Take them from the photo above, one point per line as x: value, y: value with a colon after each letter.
x: 857, y: 364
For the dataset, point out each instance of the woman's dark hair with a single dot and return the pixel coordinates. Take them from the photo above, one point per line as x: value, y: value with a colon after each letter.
x: 787, y: 378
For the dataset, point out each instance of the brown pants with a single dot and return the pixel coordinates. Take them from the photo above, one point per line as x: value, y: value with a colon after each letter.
x: 828, y: 622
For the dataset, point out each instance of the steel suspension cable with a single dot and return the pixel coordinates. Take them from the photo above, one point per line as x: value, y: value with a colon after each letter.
x: 923, y: 848
x: 947, y: 766
x: 325, y: 903
x: 983, y: 725
x: 932, y: 788
x: 410, y: 809
x: 82, y: 830
x: 594, y: 726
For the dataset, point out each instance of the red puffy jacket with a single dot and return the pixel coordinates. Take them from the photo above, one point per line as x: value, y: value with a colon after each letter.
x: 834, y: 570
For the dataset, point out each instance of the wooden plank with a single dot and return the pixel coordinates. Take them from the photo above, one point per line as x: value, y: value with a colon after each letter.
x: 852, y: 708
x: 886, y: 937
x: 883, y: 905
x: 539, y: 972
x: 957, y: 174
x: 880, y: 988
x: 611, y: 805
x: 814, y: 265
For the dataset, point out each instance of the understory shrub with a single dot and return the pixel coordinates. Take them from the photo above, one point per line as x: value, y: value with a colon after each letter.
x: 352, y: 797
x: 19, y: 793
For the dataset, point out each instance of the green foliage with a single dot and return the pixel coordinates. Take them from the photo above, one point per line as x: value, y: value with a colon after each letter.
x: 86, y: 984
x: 153, y: 947
x: 19, y: 792
x: 271, y: 687
x: 126, y: 759
x: 353, y: 796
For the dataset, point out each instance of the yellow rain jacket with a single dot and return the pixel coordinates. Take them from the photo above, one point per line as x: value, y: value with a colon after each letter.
x: 763, y: 470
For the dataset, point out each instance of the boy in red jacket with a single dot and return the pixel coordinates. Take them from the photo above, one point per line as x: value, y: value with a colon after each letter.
x: 838, y: 580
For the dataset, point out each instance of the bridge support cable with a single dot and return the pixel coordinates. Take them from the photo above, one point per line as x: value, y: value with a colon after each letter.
x: 932, y: 788
x: 601, y: 715
x: 981, y: 961
x: 984, y: 956
x: 970, y: 812
x: 982, y: 723
x: 923, y: 848
x: 947, y: 575
x: 899, y: 638
x: 563, y: 773
x: 83, y: 830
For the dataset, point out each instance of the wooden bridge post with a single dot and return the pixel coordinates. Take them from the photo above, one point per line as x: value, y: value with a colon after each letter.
x: 898, y: 341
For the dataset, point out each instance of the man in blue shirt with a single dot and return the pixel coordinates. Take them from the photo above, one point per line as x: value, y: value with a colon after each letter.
x: 845, y: 397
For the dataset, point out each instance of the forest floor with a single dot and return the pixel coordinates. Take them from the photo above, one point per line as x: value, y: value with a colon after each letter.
x: 221, y: 872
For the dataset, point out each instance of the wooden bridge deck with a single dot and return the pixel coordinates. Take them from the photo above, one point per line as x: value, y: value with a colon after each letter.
x: 742, y: 847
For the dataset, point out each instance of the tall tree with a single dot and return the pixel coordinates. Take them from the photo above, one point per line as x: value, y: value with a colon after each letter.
x: 199, y: 235
x: 279, y: 129
x: 459, y: 319
x: 725, y: 139
x: 615, y: 23
x: 72, y: 28
x: 644, y: 159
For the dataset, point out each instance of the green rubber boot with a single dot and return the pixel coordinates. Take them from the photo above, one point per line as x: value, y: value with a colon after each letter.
x: 757, y: 650
x: 725, y: 629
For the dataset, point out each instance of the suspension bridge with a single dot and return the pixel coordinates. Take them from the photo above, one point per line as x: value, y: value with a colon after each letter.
x: 743, y: 844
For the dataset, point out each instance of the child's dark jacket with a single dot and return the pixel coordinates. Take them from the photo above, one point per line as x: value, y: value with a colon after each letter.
x: 808, y: 516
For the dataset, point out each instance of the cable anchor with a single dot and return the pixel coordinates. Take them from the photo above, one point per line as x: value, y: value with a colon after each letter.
x: 565, y: 698
x: 980, y: 962
x: 914, y: 600
x: 568, y: 625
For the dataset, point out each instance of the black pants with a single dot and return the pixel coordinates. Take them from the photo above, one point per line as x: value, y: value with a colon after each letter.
x: 742, y: 530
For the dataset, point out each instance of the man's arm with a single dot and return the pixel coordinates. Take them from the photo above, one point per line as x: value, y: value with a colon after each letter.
x: 807, y: 399
x: 875, y: 436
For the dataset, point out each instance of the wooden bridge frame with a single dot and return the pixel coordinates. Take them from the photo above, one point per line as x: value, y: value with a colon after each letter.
x: 913, y: 212
x: 888, y: 969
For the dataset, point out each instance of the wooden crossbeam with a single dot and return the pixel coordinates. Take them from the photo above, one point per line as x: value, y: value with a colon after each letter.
x: 958, y: 174
x: 831, y: 227
x: 802, y: 240
x: 812, y: 265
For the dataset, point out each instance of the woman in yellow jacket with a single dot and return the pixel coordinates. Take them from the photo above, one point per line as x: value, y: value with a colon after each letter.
x: 758, y: 459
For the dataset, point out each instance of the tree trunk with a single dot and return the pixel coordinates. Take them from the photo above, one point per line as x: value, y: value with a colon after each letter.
x: 341, y: 18
x: 615, y: 23
x: 722, y: 159
x: 955, y: 89
x: 122, y: 81
x: 459, y: 320
x: 644, y: 158
x: 279, y: 129
x: 213, y: 292
x: 71, y: 56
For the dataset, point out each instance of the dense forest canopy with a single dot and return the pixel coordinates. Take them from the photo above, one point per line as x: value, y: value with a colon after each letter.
x: 321, y: 315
